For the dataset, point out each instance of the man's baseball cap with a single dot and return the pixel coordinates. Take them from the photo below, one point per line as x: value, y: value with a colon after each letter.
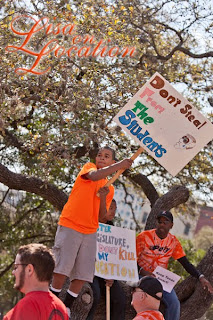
x: 150, y: 285
x: 166, y: 214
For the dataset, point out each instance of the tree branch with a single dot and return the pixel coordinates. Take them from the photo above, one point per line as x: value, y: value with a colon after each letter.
x: 23, y: 216
x: 187, y: 52
x: 173, y: 198
x: 190, y: 291
x: 33, y: 185
x: 11, y: 140
x: 6, y: 269
x: 142, y: 181
x: 4, y: 197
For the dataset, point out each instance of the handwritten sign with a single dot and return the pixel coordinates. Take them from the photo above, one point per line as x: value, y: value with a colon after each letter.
x: 116, y: 253
x: 165, y: 124
x: 167, y: 278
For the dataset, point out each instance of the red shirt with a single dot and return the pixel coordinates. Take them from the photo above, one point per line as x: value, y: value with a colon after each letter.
x: 38, y: 305
x: 149, y: 315
x: 153, y: 251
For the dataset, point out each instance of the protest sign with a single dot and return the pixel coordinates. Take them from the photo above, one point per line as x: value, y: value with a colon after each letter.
x: 165, y: 124
x: 167, y: 278
x: 116, y: 253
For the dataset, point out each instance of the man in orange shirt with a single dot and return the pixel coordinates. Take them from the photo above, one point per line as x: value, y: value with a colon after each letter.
x: 146, y: 298
x: 154, y: 248
x: 75, y: 241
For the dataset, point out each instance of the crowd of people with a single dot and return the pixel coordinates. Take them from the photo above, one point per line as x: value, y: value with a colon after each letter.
x: 89, y: 203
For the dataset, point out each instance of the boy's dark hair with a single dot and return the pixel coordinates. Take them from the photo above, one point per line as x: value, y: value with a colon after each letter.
x: 40, y: 257
x: 109, y: 148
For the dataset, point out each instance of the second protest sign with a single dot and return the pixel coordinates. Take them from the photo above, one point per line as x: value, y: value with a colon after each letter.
x: 116, y: 253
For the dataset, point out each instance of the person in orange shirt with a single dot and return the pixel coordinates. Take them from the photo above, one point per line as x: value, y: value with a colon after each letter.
x: 146, y: 297
x: 33, y: 269
x: 75, y: 241
x: 154, y: 248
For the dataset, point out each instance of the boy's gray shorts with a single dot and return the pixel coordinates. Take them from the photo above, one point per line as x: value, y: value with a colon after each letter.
x: 75, y: 254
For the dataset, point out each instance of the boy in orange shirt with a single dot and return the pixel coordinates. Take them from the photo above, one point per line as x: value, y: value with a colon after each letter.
x: 75, y: 241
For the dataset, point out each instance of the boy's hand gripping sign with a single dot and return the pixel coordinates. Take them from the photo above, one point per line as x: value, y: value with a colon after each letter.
x: 165, y: 124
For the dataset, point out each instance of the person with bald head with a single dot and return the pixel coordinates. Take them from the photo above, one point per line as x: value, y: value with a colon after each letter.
x: 146, y: 296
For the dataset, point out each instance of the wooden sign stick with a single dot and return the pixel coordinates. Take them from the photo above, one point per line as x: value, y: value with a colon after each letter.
x: 107, y: 302
x: 118, y: 173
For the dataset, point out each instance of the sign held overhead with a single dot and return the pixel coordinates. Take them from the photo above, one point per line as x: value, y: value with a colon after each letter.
x: 165, y: 124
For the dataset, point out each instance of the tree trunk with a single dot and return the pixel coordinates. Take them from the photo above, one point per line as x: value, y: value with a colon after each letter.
x: 194, y: 299
x: 83, y: 303
x: 46, y: 190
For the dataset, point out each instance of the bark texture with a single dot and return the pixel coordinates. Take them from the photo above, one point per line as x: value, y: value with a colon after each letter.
x: 194, y: 299
x: 43, y: 189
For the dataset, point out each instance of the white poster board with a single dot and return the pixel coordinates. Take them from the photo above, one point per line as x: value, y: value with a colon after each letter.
x: 167, y: 278
x: 116, y: 253
x: 165, y: 124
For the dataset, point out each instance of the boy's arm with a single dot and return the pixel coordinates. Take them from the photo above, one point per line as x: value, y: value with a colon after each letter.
x: 103, y: 192
x: 99, y: 174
